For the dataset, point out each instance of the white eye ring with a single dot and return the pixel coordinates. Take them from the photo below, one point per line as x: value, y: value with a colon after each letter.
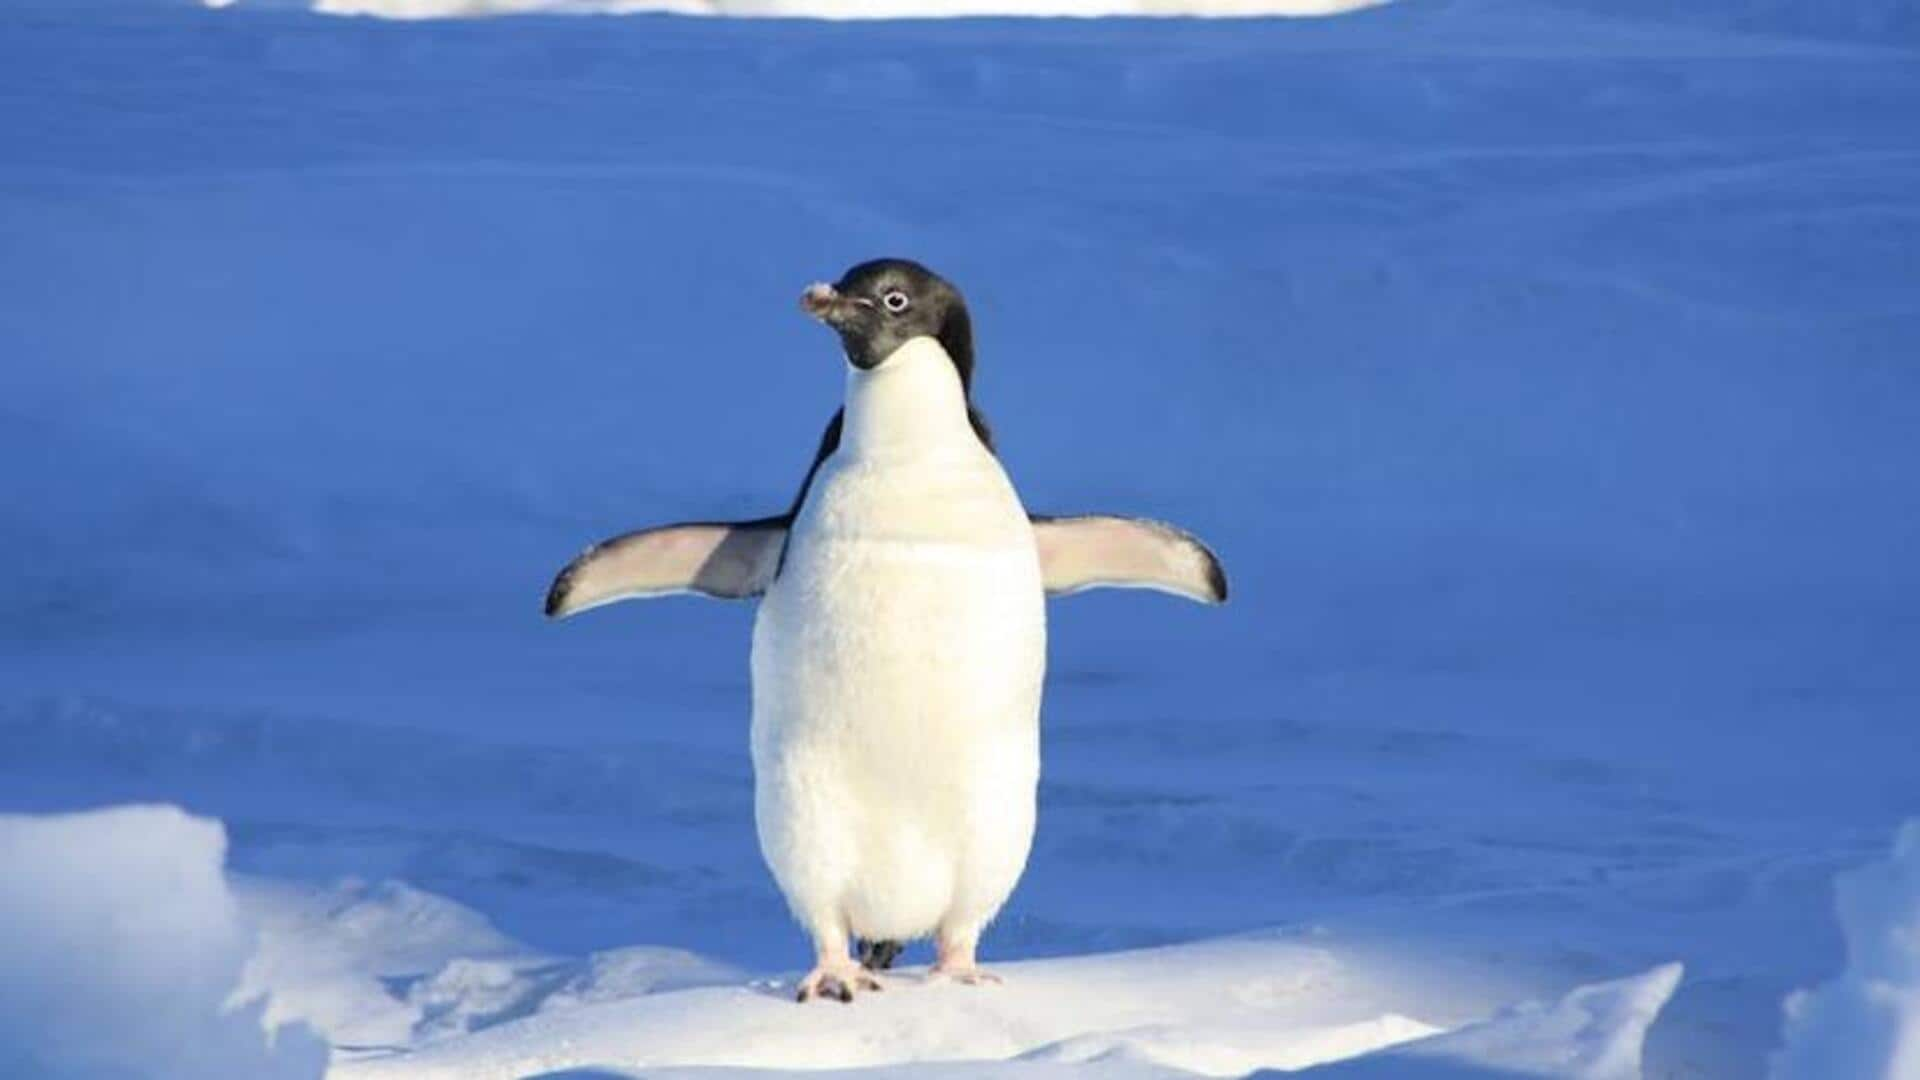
x: 896, y: 301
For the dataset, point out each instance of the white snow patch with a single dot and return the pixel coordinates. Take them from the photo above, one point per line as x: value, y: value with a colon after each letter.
x: 1595, y: 1032
x: 1226, y: 1008
x: 380, y: 967
x: 1866, y: 1023
x: 837, y: 9
x: 323, y: 954
x: 1234, y: 1049
x: 1221, y: 1009
x: 121, y: 949
x: 631, y: 972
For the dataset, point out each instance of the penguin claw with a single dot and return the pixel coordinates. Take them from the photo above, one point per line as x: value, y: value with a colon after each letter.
x: 835, y: 985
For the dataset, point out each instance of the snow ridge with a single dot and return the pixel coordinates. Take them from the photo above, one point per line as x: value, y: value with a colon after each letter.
x: 1595, y: 1032
x: 1866, y: 1023
x: 835, y: 9
x: 121, y: 947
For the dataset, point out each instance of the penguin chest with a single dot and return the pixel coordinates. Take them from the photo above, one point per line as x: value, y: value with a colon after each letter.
x: 897, y: 666
x: 909, y: 609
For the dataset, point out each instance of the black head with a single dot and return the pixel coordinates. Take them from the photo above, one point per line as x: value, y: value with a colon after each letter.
x: 879, y: 306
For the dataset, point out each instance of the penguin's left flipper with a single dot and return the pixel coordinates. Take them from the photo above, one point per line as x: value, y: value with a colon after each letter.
x: 1096, y: 551
x: 729, y: 560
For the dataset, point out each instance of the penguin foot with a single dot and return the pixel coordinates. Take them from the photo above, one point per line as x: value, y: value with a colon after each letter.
x: 836, y: 983
x: 970, y: 976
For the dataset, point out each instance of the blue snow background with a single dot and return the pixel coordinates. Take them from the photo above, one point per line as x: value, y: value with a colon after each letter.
x: 1548, y: 379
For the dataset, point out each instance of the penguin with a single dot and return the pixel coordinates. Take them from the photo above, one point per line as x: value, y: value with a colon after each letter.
x: 900, y: 642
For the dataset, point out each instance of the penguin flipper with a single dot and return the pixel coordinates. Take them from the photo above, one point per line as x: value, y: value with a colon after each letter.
x: 728, y: 560
x: 1095, y: 551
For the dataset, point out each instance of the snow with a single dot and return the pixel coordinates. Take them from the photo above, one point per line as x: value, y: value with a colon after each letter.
x: 121, y: 949
x: 1866, y: 1023
x: 1220, y: 1009
x: 331, y: 958
x: 1593, y: 1033
x: 830, y: 9
x: 1542, y: 373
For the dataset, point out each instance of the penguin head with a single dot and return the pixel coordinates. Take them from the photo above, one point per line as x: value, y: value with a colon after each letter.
x: 878, y: 306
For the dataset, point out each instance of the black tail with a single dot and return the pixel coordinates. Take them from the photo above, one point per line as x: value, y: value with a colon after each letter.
x: 877, y: 955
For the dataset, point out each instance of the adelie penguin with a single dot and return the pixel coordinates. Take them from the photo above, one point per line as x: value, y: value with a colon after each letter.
x: 901, y: 638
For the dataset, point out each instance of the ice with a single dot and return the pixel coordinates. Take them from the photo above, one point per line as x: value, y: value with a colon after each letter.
x: 376, y: 965
x: 1866, y: 1023
x: 121, y: 954
x: 1593, y: 1033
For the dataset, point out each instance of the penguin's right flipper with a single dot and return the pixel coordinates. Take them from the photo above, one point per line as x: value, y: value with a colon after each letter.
x: 1101, y: 551
x: 729, y: 560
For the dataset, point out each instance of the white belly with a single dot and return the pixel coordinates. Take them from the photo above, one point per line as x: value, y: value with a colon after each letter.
x: 897, y: 665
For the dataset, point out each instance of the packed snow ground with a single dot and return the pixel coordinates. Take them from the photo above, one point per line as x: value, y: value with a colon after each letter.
x: 200, y: 977
x: 1544, y: 379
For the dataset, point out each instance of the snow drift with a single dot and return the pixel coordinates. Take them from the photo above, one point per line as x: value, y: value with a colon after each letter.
x: 182, y: 969
x: 1221, y: 1008
x: 1866, y: 1023
x: 1218, y: 1008
x: 120, y: 950
x: 1883, y: 21
x: 374, y: 964
x: 831, y: 9
x: 1595, y: 1032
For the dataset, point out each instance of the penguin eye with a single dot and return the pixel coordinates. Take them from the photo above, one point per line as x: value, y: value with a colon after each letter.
x: 896, y: 301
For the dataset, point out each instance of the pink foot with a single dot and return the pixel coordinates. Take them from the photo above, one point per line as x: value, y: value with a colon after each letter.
x: 954, y: 959
x: 970, y: 975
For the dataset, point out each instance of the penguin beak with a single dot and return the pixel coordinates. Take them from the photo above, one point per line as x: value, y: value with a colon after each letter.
x: 825, y: 303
